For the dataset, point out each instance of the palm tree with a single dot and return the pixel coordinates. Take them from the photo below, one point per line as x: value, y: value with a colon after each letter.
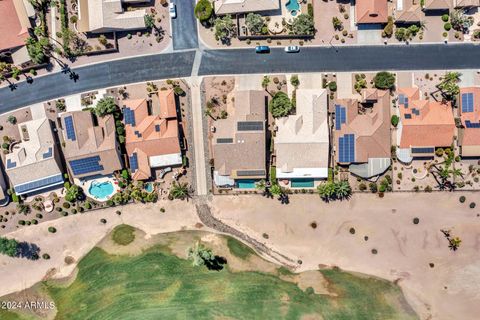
x: 326, y: 191
x: 342, y: 190
x: 276, y: 190
x: 180, y: 191
x: 260, y: 185
x: 454, y: 243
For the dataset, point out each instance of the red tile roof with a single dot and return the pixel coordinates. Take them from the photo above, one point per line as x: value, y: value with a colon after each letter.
x: 425, y: 123
x: 371, y: 11
x: 12, y: 33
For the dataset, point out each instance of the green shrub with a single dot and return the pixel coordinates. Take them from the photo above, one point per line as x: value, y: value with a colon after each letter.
x: 46, y: 256
x: 332, y: 85
x: 384, y: 80
x: 66, y: 205
x: 462, y: 199
x: 394, y: 120
x: 388, y: 30
x: 310, y: 10
x: 445, y: 17
x: 447, y: 26
x: 439, y: 152
x: 472, y: 205
x: 52, y: 229
x: 362, y: 186
x: 280, y: 105
x: 203, y: 10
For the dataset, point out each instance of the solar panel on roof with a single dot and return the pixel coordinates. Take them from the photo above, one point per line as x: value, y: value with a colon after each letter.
x: 346, y: 148
x: 11, y: 164
x: 244, y: 173
x: 157, y: 127
x: 69, y: 128
x: 401, y: 99
x: 86, y: 165
x: 133, y: 162
x: 224, y: 140
x: 467, y: 102
x: 416, y: 111
x: 38, y: 184
x: 408, y: 116
x: 470, y: 124
x: 129, y: 116
x: 423, y: 150
x: 406, y: 102
x: 250, y: 125
x: 48, y: 154
x: 340, y: 116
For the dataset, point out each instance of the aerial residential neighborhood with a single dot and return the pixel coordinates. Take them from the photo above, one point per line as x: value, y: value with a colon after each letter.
x: 239, y: 159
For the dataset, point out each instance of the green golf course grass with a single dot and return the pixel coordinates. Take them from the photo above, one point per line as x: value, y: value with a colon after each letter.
x: 157, y: 283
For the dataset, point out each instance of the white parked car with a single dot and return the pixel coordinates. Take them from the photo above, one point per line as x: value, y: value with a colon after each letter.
x: 172, y: 9
x: 292, y: 49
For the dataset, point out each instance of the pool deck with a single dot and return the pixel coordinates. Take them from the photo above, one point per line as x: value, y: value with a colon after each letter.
x: 86, y: 184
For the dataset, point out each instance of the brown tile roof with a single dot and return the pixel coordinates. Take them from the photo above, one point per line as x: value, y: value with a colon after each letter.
x: 247, y: 148
x: 467, y: 3
x: 13, y: 29
x: 438, y: 4
x: 411, y: 14
x: 471, y: 136
x: 371, y: 11
x: 92, y: 140
x: 239, y: 6
x: 425, y: 123
x: 152, y: 135
x: 370, y: 127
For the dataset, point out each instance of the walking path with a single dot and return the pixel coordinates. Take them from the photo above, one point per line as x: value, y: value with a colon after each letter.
x: 198, y: 141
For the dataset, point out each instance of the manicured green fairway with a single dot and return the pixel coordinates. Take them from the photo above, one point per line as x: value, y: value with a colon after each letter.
x: 159, y: 285
x: 239, y: 249
x: 123, y: 234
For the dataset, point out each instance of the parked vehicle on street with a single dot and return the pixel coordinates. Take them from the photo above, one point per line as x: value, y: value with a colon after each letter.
x: 262, y: 49
x: 292, y: 49
x: 172, y: 10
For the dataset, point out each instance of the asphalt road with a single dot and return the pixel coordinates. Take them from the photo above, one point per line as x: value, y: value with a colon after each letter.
x: 355, y: 58
x: 239, y: 61
x: 102, y: 75
x: 184, y: 26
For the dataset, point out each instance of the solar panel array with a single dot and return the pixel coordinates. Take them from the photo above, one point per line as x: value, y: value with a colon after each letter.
x: 138, y: 134
x: 42, y: 183
x: 416, y: 111
x: 423, y: 150
x: 11, y: 164
x: 69, y: 128
x: 86, y: 165
x: 340, y: 116
x: 224, y: 140
x: 250, y: 126
x: 346, y: 148
x: 408, y: 116
x: 244, y: 173
x: 403, y: 100
x: 133, y: 162
x: 129, y: 116
x: 467, y: 102
x: 157, y: 127
x: 48, y: 154
x: 470, y: 124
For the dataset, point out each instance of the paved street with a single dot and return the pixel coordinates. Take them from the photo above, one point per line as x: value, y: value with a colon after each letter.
x: 358, y: 58
x: 184, y: 27
x: 102, y: 75
x: 239, y: 61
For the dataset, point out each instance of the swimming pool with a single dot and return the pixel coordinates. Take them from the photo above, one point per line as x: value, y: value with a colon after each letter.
x: 148, y: 187
x: 101, y: 190
x: 246, y: 184
x: 293, y: 6
x: 302, y: 183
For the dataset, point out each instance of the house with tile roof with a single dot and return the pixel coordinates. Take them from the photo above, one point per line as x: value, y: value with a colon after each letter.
x: 34, y: 165
x: 91, y: 147
x: 424, y: 125
x: 99, y: 16
x: 410, y: 13
x: 438, y: 5
x: 238, y: 143
x: 15, y: 23
x: 362, y: 133
x: 469, y: 134
x: 152, y: 135
x: 302, y: 147
x: 244, y: 6
x: 466, y: 3
x: 371, y: 11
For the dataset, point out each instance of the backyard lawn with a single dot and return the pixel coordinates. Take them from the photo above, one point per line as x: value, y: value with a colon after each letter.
x: 158, y: 283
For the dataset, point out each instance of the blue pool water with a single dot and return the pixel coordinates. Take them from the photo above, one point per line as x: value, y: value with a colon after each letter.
x: 293, y: 5
x: 101, y: 190
x: 149, y: 187
x: 302, y: 183
x: 246, y: 184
